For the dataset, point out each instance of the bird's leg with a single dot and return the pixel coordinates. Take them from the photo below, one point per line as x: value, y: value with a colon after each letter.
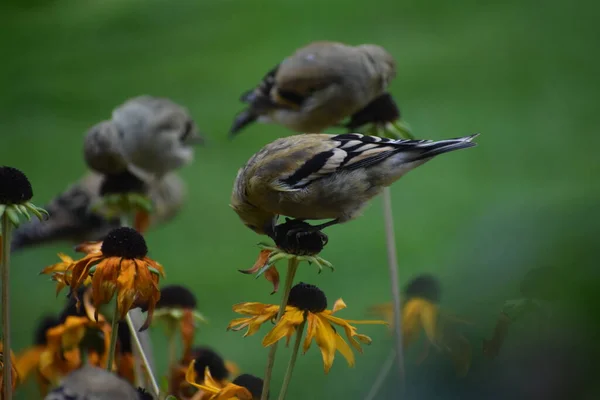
x: 306, y: 229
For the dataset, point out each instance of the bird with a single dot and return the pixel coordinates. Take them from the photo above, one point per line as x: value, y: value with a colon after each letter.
x: 325, y: 176
x: 93, y: 383
x: 146, y: 135
x: 318, y: 86
x: 71, y: 217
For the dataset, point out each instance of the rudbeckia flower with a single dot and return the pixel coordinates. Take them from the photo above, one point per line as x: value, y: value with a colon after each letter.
x: 14, y: 373
x: 306, y: 303
x: 122, y: 267
x: 65, y: 343
x: 203, y: 357
x: 177, y: 309
x: 59, y: 271
x: 244, y: 387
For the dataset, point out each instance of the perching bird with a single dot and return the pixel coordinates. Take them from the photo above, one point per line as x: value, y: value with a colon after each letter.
x: 318, y: 86
x: 92, y: 383
x: 149, y: 136
x: 321, y: 176
x: 71, y: 218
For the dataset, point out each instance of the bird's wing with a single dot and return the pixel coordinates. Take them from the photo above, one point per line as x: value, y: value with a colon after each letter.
x: 260, y: 96
x: 352, y: 151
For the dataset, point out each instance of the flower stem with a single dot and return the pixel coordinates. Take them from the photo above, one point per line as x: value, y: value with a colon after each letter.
x: 289, y: 281
x: 114, y: 334
x: 292, y: 363
x: 394, y: 280
x: 383, y: 373
x: 145, y: 362
x: 6, y: 374
x: 172, y: 349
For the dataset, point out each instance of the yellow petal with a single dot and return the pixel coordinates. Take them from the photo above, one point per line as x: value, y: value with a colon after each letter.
x: 233, y: 391
x: 325, y: 338
x: 344, y: 349
x: 338, y: 305
x: 286, y: 326
x: 190, y: 377
x: 429, y: 314
x: 28, y: 360
x: 311, y: 331
x: 251, y: 308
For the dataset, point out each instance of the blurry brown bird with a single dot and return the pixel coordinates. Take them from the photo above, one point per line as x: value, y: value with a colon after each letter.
x: 71, y: 218
x: 318, y: 86
x: 149, y: 136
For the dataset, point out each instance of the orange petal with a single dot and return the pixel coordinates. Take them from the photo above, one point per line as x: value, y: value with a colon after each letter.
x: 141, y: 221
x: 272, y: 275
x: 126, y: 291
x: 187, y: 327
x: 261, y: 261
x: 89, y: 247
x: 28, y: 360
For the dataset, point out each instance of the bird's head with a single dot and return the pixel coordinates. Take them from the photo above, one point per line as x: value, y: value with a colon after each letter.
x: 102, y: 149
x: 381, y: 60
x: 260, y: 221
x: 157, y: 135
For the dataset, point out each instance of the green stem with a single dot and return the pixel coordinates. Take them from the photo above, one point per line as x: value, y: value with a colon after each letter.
x: 6, y: 375
x: 114, y: 333
x: 394, y: 281
x: 289, y: 281
x: 140, y: 349
x: 292, y: 363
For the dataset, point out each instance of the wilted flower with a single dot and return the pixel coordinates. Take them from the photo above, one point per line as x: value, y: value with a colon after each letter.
x: 121, y: 266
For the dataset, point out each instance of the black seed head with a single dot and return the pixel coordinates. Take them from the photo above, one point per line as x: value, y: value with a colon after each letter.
x: 124, y: 242
x: 425, y: 286
x: 252, y: 383
x: 44, y: 324
x: 308, y: 298
x: 143, y: 394
x: 14, y: 186
x: 124, y: 182
x: 124, y: 336
x: 299, y: 238
x: 176, y: 296
x: 207, y: 357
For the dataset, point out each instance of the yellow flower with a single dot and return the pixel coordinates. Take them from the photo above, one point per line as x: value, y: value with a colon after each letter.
x: 62, y: 353
x: 204, y: 357
x: 214, y: 390
x: 306, y: 303
x: 14, y: 373
x: 120, y: 266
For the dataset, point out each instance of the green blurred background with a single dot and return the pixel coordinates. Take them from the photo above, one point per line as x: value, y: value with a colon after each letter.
x: 523, y: 73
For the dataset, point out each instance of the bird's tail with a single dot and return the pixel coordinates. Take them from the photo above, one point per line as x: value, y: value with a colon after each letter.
x: 433, y: 148
x: 241, y: 120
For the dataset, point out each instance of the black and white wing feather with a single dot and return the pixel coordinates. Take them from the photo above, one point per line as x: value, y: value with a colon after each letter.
x: 354, y: 151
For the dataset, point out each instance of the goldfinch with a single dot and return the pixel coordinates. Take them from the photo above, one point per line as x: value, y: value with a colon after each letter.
x: 318, y: 86
x: 321, y: 176
x: 72, y: 219
x: 149, y: 136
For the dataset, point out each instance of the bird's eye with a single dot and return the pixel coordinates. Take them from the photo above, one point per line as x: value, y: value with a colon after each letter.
x: 187, y: 130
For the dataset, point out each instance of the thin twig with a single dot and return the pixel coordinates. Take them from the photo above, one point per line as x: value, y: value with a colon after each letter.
x: 383, y: 373
x: 394, y: 281
x: 7, y: 373
x: 292, y: 363
x: 145, y: 362
x: 289, y: 280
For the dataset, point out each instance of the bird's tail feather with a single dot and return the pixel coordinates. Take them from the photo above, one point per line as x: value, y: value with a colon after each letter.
x: 433, y: 149
x: 241, y: 120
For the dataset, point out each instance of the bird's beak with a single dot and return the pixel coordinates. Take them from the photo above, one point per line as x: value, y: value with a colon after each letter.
x: 195, y: 139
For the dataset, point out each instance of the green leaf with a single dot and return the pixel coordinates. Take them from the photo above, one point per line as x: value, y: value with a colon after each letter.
x: 2, y: 209
x: 13, y: 216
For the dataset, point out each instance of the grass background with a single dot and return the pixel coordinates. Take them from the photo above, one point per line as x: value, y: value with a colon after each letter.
x: 524, y: 74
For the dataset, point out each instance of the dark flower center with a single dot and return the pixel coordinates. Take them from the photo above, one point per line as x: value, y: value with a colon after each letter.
x: 425, y: 286
x: 207, y: 357
x: 252, y: 383
x: 299, y: 238
x: 124, y: 242
x: 176, y: 296
x: 44, y: 324
x: 14, y: 186
x: 143, y: 394
x: 308, y: 298
x: 124, y: 182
